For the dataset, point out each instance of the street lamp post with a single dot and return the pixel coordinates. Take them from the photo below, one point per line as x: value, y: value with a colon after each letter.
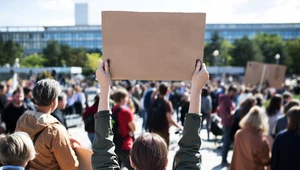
x: 216, y: 54
x: 277, y: 57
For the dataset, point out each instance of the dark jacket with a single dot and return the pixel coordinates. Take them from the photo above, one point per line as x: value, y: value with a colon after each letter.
x: 3, y: 103
x: 11, y: 115
x: 187, y: 157
x: 285, y: 152
x: 282, y: 124
x: 59, y: 115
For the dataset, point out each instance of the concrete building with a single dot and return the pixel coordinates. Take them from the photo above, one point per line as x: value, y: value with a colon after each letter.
x: 81, y: 14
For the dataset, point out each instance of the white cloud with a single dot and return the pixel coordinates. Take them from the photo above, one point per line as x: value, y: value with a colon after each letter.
x: 56, y: 5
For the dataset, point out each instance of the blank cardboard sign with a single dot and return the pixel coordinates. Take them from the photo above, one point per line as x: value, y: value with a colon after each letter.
x: 152, y: 46
x: 274, y: 75
x: 253, y: 73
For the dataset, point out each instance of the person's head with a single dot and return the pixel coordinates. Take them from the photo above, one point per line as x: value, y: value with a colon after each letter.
x: 18, y: 96
x: 62, y: 101
x: 163, y: 89
x: 130, y: 89
x: 77, y: 89
x: 205, y: 92
x: 255, y: 119
x: 69, y: 92
x: 149, y: 151
x: 246, y: 105
x: 27, y: 92
x: 287, y: 96
x: 3, y: 89
x: 121, y: 96
x: 152, y: 85
x: 294, y: 119
x: 259, y: 99
x: 232, y: 91
x: 275, y: 105
x: 16, y: 149
x: 45, y: 94
x: 289, y: 105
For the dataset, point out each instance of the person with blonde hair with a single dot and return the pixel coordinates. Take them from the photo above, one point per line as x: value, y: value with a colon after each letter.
x: 16, y: 150
x: 251, y: 149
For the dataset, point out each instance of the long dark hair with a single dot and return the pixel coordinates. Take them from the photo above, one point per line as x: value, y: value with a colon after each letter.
x: 294, y: 119
x: 275, y: 105
x: 246, y: 106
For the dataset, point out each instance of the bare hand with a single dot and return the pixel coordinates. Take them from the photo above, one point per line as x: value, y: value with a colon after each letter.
x: 103, y: 76
x: 75, y: 143
x: 200, y: 76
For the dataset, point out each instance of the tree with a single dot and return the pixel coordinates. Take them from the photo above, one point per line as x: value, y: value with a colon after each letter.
x: 33, y: 60
x: 225, y: 59
x: 245, y: 50
x: 93, y: 60
x: 270, y: 45
x: 214, y: 44
x: 9, y: 51
x: 79, y: 57
x: 293, y: 51
x: 64, y: 55
x: 52, y: 54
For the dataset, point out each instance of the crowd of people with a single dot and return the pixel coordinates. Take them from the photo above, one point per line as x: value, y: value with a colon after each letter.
x: 262, y: 125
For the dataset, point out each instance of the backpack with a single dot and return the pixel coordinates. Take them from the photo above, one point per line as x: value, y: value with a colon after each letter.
x: 216, y: 126
x: 157, y: 119
x: 89, y: 123
x: 118, y: 139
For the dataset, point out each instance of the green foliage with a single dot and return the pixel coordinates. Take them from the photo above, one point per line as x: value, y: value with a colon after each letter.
x: 293, y: 51
x: 52, y: 54
x: 9, y: 51
x: 245, y: 50
x: 214, y: 44
x: 93, y: 60
x: 64, y: 55
x: 270, y: 45
x: 33, y: 60
x: 225, y: 59
x: 44, y: 75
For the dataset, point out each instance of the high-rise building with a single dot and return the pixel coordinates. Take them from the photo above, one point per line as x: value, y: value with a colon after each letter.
x: 81, y: 14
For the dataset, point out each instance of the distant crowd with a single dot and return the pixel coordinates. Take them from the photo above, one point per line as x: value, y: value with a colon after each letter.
x: 262, y: 124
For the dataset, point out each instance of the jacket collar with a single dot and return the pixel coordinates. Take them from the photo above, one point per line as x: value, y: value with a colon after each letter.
x: 42, y: 118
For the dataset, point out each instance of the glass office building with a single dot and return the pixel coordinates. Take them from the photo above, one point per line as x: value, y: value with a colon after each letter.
x: 34, y: 39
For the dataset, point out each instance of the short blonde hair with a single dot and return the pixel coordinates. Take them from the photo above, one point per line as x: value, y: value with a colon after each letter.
x: 256, y: 119
x: 16, y: 148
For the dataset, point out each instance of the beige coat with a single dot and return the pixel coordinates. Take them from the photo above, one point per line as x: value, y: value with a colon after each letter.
x: 251, y: 151
x: 53, y: 146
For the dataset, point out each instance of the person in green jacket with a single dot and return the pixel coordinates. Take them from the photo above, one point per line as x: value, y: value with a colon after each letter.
x: 149, y: 151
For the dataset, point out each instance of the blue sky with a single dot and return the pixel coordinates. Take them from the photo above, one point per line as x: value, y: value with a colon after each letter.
x: 61, y: 12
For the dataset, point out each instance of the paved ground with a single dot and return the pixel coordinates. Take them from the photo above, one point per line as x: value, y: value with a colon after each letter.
x: 210, y: 153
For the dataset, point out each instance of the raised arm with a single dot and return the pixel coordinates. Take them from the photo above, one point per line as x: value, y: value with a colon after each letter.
x: 188, y: 156
x: 104, y: 156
